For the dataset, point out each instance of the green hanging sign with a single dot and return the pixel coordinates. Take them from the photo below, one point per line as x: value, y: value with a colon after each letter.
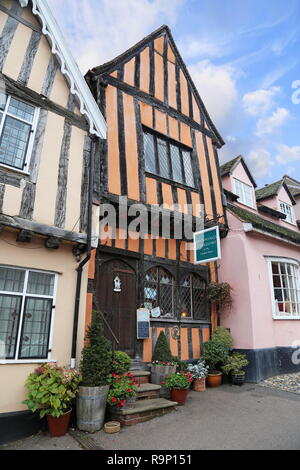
x: 207, y: 246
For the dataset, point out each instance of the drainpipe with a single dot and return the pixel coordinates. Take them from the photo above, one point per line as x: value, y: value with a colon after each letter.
x: 86, y: 259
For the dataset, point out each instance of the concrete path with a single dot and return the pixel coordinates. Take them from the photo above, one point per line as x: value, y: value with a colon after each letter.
x: 248, y: 417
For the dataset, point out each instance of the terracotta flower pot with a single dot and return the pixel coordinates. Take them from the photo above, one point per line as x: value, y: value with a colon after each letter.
x: 214, y: 379
x: 59, y: 426
x: 179, y: 395
x: 199, y: 385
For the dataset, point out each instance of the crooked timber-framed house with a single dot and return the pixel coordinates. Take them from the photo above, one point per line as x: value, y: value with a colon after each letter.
x: 161, y: 149
x: 50, y: 126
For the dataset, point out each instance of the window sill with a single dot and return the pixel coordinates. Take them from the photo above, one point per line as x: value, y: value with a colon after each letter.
x: 182, y: 320
x: 171, y: 182
x: 14, y: 170
x: 285, y: 317
x: 26, y: 361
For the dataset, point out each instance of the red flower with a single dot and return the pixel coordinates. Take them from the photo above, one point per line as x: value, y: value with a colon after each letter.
x: 114, y: 400
x: 128, y: 390
x: 113, y: 374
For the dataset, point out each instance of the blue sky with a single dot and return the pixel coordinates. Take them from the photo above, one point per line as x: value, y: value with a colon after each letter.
x: 244, y: 57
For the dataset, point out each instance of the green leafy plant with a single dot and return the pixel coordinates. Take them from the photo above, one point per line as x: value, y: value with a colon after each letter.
x: 51, y: 390
x: 220, y: 293
x: 96, y: 362
x: 121, y: 388
x: 121, y: 362
x: 235, y: 363
x: 222, y: 335
x: 198, y: 370
x: 180, y: 365
x: 162, y: 352
x: 215, y: 353
x: 180, y: 380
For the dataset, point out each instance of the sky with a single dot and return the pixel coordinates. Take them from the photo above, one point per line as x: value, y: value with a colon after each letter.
x: 243, y: 56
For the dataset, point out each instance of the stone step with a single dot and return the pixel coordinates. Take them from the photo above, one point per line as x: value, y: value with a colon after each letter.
x: 144, y: 410
x: 141, y: 376
x: 147, y: 391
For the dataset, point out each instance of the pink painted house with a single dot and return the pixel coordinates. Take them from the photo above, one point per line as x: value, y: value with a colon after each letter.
x: 261, y: 259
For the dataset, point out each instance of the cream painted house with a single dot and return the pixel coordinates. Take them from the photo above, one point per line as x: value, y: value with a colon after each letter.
x: 49, y: 132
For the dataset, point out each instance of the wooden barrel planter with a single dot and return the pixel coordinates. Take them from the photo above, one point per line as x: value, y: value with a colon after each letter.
x: 90, y: 407
x: 159, y: 374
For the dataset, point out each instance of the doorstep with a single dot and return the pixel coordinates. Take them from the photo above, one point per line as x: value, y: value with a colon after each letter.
x: 143, y: 410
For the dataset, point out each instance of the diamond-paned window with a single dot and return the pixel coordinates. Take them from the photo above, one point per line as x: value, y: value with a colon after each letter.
x: 193, y: 302
x: 159, y: 291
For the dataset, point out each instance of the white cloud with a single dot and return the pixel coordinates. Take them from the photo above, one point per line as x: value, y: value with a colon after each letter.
x: 260, y: 102
x: 201, y: 47
x: 231, y: 138
x: 99, y: 30
x: 287, y: 154
x: 216, y: 85
x: 268, y: 125
x: 260, y: 162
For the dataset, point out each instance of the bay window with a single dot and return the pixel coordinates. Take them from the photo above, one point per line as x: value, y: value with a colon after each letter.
x: 26, y: 311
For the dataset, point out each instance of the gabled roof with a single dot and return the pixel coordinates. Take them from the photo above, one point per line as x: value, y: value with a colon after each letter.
x: 272, y: 190
x: 293, y: 185
x: 68, y: 66
x: 229, y: 166
x: 108, y: 67
x: 264, y: 224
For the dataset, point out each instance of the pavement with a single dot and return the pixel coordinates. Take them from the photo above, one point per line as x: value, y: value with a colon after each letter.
x: 251, y: 417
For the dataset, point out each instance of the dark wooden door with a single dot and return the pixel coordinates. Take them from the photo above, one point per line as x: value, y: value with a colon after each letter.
x: 119, y: 308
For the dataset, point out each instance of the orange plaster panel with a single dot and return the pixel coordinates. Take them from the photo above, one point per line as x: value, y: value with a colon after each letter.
x: 167, y: 196
x: 92, y: 264
x: 184, y: 344
x: 204, y: 174
x: 160, y: 248
x: 120, y: 238
x: 131, y: 148
x: 145, y: 70
x: 151, y: 191
x: 173, y: 345
x: 161, y: 122
x: 89, y: 309
x: 159, y: 44
x: 146, y: 114
x: 196, y: 112
x: 114, y: 183
x: 186, y: 134
x: 172, y: 85
x: 148, y: 246
x: 129, y: 69
x: 182, y: 200
x: 196, y: 204
x: 172, y: 252
x: 205, y: 334
x: 133, y: 245
x: 159, y: 76
x: 173, y: 128
x: 171, y: 55
x: 183, y: 252
x: 184, y: 94
x: 114, y: 74
x: 196, y: 343
x: 147, y: 348
x: 105, y: 236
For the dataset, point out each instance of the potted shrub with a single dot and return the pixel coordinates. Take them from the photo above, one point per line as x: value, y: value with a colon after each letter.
x: 234, y: 366
x: 163, y: 363
x: 123, y: 391
x: 95, y: 369
x: 215, y: 353
x: 52, y: 390
x: 179, y: 384
x: 198, y: 373
x: 121, y: 362
x: 223, y: 335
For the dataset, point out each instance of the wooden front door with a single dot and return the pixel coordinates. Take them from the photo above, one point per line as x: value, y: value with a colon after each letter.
x: 117, y: 301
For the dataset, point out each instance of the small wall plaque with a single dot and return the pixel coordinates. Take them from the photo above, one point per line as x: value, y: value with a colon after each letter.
x: 117, y: 284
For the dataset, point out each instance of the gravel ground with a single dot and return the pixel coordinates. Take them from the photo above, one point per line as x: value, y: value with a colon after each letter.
x: 287, y: 382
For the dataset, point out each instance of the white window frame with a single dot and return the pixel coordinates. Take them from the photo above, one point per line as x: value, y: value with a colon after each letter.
x: 24, y: 294
x: 285, y: 209
x: 33, y: 125
x: 242, y: 198
x: 295, y: 263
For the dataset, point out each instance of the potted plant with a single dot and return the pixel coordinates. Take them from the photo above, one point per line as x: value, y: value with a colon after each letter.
x: 95, y: 369
x: 215, y: 353
x: 179, y: 384
x: 52, y: 390
x: 163, y: 363
x: 123, y: 391
x: 198, y: 373
x: 223, y: 335
x: 234, y: 366
x: 220, y: 293
x: 121, y: 362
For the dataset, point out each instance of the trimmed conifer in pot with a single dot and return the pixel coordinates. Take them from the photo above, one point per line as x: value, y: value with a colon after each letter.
x: 163, y: 364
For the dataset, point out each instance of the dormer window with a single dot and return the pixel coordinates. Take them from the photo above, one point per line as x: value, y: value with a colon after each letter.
x: 288, y: 211
x: 244, y: 191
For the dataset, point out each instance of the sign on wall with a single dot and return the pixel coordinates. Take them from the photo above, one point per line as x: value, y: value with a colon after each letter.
x: 143, y: 323
x: 207, y: 246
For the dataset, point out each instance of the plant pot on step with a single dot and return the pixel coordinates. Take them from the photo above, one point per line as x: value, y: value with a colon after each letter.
x: 91, y: 406
x: 179, y: 395
x: 159, y: 373
x: 59, y: 426
x: 238, y: 379
x: 199, y: 385
x: 214, y: 379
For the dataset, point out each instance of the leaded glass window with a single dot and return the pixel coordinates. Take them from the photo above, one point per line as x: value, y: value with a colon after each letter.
x: 159, y: 291
x: 286, y: 289
x: 17, y: 126
x: 192, y: 298
x: 168, y: 159
x: 26, y: 305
